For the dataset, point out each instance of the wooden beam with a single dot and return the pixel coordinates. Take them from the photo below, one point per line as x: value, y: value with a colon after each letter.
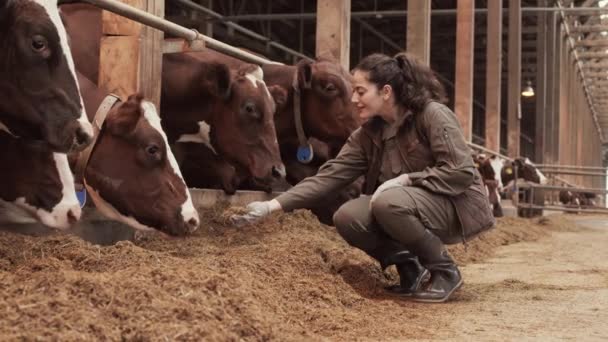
x: 418, y: 38
x: 540, y: 88
x: 592, y: 55
x: 591, y: 43
x: 514, y: 90
x: 493, y: 74
x: 589, y: 28
x: 333, y: 30
x: 463, y: 98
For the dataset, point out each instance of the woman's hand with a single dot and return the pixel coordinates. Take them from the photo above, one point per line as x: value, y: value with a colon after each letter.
x: 399, y: 181
x: 255, y: 212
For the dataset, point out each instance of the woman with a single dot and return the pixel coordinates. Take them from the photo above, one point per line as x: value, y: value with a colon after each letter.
x: 422, y: 189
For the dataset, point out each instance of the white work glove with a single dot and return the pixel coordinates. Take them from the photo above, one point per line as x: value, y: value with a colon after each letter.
x: 256, y: 211
x: 399, y: 181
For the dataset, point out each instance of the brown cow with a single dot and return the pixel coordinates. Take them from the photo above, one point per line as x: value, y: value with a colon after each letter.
x: 327, y: 116
x: 132, y: 175
x: 36, y: 182
x: 39, y: 97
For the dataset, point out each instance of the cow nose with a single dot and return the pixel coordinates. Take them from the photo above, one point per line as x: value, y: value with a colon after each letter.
x: 82, y: 139
x: 192, y: 224
x: 72, y: 216
x: 279, y: 171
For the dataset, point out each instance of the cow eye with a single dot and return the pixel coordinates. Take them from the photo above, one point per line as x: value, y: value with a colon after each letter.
x: 39, y: 43
x: 152, y: 149
x: 330, y: 87
x: 251, y: 110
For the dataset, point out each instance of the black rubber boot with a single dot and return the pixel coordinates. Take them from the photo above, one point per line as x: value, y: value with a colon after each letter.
x: 445, y: 276
x: 411, y: 274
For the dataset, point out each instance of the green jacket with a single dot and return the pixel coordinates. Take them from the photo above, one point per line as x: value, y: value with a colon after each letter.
x: 436, y: 157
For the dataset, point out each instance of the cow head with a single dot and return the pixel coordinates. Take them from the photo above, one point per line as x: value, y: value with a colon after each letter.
x: 39, y: 96
x: 229, y: 112
x: 36, y: 181
x: 133, y: 177
x: 327, y: 110
x: 525, y: 170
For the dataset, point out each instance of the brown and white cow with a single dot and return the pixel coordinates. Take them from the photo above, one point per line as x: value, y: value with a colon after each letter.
x: 39, y: 97
x: 328, y: 119
x: 489, y: 169
x: 132, y: 175
x: 36, y: 183
x: 228, y: 112
x: 527, y: 172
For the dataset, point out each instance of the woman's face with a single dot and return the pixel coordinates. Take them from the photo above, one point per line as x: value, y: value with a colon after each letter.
x: 366, y: 96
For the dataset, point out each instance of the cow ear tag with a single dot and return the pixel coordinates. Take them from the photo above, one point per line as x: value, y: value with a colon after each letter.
x: 509, y: 171
x: 305, y: 154
x: 82, y: 197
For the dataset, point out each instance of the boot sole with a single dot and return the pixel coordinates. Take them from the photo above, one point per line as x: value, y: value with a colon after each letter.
x: 440, y: 300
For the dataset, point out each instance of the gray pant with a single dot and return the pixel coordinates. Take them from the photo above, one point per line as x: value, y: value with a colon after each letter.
x: 396, y: 220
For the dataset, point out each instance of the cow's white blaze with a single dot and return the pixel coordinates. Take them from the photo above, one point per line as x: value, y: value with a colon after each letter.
x: 543, y: 179
x: 201, y: 137
x: 188, y: 211
x: 63, y: 213
x: 497, y: 165
x: 53, y: 12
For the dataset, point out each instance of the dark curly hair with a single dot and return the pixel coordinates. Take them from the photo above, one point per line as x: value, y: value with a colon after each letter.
x: 413, y: 83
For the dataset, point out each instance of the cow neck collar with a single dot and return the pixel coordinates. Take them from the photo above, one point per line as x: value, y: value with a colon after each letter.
x: 83, y: 157
x: 305, y: 151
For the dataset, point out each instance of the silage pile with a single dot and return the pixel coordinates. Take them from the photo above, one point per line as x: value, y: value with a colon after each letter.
x: 287, y: 278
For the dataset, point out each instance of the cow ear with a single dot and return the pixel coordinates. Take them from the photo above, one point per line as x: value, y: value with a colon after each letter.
x: 123, y: 118
x: 218, y: 80
x: 305, y: 73
x: 279, y: 94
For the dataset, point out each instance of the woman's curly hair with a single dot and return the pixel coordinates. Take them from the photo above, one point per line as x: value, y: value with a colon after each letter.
x: 413, y: 83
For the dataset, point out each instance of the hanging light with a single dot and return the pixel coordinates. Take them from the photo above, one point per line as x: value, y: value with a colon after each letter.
x: 528, y: 91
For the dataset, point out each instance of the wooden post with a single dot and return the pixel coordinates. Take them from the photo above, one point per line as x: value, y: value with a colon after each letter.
x: 131, y: 54
x: 333, y: 30
x: 493, y: 74
x: 419, y: 30
x: 514, y: 90
x: 540, y: 91
x: 463, y: 98
x: 551, y: 56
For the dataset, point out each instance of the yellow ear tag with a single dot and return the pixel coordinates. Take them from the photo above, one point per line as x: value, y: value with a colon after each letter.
x: 509, y: 171
x: 476, y: 165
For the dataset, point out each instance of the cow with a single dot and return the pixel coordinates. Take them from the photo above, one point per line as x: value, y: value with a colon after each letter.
x: 490, y: 169
x: 321, y: 91
x: 132, y: 175
x: 529, y: 173
x: 228, y: 112
x: 575, y: 199
x: 39, y: 97
x: 36, y: 183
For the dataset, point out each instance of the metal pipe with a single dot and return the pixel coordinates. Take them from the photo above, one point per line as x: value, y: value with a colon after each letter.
x: 557, y: 166
x: 174, y: 29
x: 484, y: 149
x: 553, y: 187
x: 239, y: 28
x: 575, y: 173
x: 596, y: 210
x: 402, y: 13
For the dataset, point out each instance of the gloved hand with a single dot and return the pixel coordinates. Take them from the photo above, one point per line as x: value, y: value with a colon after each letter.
x: 402, y: 180
x: 256, y: 211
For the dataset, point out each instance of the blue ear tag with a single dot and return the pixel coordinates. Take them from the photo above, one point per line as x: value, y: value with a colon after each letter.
x: 82, y: 197
x: 305, y: 154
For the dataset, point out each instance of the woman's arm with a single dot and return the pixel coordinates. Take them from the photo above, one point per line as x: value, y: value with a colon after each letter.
x: 335, y: 174
x: 454, y: 170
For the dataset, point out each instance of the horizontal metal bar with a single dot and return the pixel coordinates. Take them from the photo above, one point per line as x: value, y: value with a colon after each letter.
x: 239, y: 28
x: 484, y: 149
x: 596, y: 210
x: 571, y: 167
x: 174, y: 29
x: 555, y: 187
x: 402, y: 13
x: 574, y: 173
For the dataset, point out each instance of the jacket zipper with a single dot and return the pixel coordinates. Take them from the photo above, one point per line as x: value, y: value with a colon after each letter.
x: 448, y: 142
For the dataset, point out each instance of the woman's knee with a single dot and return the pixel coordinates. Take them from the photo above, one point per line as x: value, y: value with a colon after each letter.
x: 393, y: 202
